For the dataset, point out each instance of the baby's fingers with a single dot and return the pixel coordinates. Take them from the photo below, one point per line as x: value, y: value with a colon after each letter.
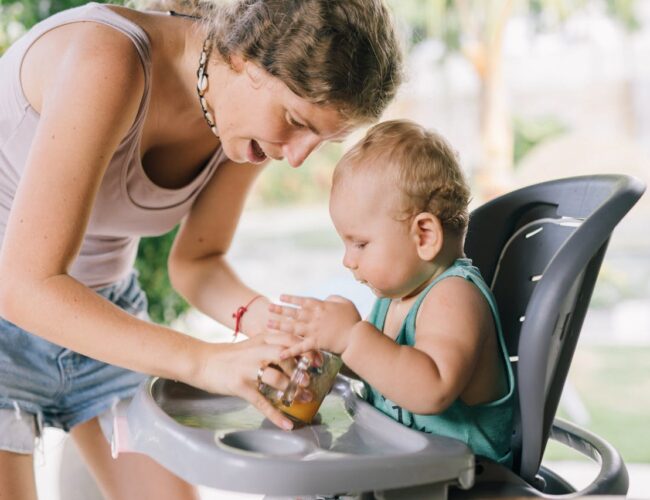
x: 298, y: 300
x: 286, y: 311
x: 298, y: 349
x: 286, y: 326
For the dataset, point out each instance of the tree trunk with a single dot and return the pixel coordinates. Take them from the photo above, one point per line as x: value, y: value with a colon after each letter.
x: 484, y: 49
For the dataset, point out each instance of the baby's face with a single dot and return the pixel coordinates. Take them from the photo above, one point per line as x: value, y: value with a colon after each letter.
x: 380, y: 249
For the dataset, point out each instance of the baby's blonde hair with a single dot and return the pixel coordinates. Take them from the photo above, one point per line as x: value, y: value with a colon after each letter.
x: 423, y: 166
x: 340, y: 52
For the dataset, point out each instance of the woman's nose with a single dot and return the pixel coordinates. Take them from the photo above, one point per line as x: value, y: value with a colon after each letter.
x: 297, y: 150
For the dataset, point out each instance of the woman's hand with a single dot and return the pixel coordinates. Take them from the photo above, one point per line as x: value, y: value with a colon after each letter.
x: 324, y: 324
x: 232, y: 369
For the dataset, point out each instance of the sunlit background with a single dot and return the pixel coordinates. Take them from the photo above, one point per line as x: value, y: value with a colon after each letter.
x: 526, y: 91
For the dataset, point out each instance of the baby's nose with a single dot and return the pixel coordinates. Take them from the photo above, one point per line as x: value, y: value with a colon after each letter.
x: 348, y: 262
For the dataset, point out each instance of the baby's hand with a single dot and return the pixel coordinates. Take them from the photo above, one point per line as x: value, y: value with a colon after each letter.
x: 324, y: 324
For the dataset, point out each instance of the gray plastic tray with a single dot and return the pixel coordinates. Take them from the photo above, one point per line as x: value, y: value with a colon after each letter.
x: 223, y: 442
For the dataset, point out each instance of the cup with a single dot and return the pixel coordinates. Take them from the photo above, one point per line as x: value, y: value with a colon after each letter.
x: 321, y: 379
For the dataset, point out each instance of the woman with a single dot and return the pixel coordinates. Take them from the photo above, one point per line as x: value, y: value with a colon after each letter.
x: 106, y: 136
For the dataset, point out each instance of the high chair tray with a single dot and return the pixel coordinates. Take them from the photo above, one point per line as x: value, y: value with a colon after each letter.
x: 223, y: 442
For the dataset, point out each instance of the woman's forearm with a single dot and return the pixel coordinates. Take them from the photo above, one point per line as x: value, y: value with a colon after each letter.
x: 212, y: 286
x: 67, y: 313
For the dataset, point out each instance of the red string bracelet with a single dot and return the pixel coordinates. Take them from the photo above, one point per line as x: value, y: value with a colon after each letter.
x: 239, y: 313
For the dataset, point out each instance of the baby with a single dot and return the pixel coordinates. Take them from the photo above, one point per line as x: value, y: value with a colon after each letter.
x: 431, y: 352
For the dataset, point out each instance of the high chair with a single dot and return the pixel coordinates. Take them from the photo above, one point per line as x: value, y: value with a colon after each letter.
x: 540, y: 248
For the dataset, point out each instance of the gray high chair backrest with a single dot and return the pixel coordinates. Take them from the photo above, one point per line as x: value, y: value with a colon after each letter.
x: 541, y: 248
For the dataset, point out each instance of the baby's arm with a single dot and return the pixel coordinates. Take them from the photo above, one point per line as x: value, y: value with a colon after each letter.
x: 426, y: 378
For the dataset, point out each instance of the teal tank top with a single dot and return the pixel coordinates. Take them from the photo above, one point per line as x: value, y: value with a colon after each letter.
x: 486, y: 428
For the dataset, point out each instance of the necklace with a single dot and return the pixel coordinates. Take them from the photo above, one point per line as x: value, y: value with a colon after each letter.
x: 202, y: 85
x: 202, y: 77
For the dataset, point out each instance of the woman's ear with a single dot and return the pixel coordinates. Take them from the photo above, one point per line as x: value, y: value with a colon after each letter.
x: 237, y: 63
x: 256, y: 75
x: 428, y: 235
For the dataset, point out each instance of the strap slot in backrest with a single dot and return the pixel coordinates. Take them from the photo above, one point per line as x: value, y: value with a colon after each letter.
x: 521, y: 265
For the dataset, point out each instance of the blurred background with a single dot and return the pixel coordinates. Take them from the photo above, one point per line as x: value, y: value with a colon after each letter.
x: 526, y: 91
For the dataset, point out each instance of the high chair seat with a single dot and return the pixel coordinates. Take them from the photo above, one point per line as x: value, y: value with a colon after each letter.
x: 540, y: 248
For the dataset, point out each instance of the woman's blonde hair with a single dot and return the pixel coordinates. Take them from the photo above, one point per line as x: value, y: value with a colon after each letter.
x: 422, y: 165
x: 339, y: 52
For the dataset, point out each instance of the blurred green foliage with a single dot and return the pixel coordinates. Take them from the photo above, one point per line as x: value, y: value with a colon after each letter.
x: 18, y: 16
x: 423, y: 19
x: 165, y: 304
x: 529, y: 132
x: 613, y: 385
x: 280, y: 184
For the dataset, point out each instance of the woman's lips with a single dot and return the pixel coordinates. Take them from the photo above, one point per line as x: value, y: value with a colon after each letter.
x: 255, y: 153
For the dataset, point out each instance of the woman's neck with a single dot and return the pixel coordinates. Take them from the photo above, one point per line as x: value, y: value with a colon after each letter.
x: 176, y: 49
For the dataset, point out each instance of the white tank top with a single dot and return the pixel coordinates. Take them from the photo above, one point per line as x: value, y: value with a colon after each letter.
x: 128, y: 205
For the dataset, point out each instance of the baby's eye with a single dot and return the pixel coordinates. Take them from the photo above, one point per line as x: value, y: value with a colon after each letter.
x: 360, y: 245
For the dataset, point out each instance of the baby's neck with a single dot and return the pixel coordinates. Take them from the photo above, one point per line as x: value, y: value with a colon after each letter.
x: 451, y: 250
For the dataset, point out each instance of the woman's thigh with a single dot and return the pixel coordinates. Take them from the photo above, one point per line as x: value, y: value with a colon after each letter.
x: 131, y: 475
x: 17, y: 476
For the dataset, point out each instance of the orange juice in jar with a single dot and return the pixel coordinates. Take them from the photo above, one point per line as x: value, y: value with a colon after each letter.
x: 321, y: 379
x: 303, y: 412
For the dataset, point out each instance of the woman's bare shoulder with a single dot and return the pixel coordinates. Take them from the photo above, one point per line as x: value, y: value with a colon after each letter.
x: 87, y: 50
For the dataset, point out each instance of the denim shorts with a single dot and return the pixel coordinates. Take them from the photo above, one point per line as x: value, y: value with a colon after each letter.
x: 42, y: 384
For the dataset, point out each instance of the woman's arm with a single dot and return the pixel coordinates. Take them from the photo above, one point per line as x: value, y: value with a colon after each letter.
x: 88, y: 103
x: 197, y: 263
x: 425, y: 378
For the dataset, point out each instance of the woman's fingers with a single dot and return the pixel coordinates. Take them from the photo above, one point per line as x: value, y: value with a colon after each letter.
x: 273, y: 375
x: 253, y: 396
x: 279, y: 338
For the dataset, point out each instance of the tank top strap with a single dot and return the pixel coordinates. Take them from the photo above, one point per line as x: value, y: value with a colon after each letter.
x: 104, y: 14
x: 378, y: 313
x: 94, y: 12
x: 461, y: 268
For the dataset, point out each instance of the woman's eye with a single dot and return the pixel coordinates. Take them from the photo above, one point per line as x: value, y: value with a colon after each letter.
x: 295, y: 123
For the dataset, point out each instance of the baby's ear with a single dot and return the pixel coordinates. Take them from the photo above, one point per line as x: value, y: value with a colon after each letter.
x: 428, y: 235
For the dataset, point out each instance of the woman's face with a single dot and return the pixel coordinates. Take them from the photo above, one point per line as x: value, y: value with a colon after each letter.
x: 259, y: 117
